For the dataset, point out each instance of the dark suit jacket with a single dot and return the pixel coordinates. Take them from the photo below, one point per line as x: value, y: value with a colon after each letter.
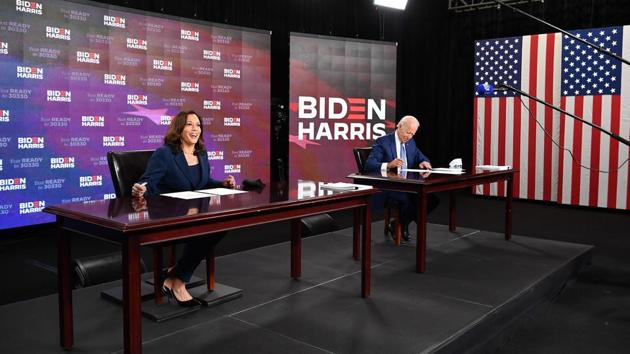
x: 384, y: 150
x: 168, y: 172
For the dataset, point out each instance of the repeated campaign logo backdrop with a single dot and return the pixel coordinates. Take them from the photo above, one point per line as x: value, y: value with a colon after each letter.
x: 79, y: 79
x: 560, y: 159
x: 342, y: 95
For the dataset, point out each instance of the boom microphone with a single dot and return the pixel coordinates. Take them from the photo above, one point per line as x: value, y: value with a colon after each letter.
x: 487, y: 89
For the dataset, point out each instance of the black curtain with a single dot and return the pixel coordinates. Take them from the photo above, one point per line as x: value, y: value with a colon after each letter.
x: 435, y: 48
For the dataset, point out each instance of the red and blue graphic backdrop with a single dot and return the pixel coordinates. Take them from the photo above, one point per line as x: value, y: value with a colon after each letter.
x: 80, y: 79
x: 342, y: 95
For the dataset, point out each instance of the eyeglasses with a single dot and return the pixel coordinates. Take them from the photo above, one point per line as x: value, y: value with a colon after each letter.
x: 410, y: 133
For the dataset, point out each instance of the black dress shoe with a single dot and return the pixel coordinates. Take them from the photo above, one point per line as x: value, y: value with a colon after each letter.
x: 405, y: 235
x: 171, y: 295
x: 392, y: 230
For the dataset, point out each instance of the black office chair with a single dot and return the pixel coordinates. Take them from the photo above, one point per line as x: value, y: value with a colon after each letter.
x: 126, y: 167
x: 361, y: 155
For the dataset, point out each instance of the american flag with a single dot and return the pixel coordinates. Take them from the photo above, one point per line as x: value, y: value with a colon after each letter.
x: 517, y: 131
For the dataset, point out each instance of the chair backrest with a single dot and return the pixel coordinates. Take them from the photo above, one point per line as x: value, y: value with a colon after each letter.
x: 360, y: 156
x: 126, y: 167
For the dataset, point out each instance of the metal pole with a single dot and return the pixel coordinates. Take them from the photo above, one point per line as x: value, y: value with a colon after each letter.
x: 596, y: 47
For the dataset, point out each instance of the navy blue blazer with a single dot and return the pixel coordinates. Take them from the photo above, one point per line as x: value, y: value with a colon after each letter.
x: 168, y: 172
x: 384, y: 150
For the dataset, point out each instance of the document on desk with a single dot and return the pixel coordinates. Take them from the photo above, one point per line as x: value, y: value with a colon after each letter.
x: 493, y: 167
x: 203, y: 193
x: 220, y: 191
x: 341, y: 186
x: 437, y: 170
x: 186, y: 195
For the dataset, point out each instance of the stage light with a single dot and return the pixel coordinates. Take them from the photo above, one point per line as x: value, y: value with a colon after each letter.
x: 396, y: 4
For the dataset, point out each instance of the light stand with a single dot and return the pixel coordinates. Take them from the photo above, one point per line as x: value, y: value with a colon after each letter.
x: 598, y: 48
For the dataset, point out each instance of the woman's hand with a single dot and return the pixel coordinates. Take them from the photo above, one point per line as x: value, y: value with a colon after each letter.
x: 139, y: 204
x: 229, y: 182
x: 138, y: 190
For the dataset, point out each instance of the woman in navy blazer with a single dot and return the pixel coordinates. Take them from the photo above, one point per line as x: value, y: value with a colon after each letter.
x: 181, y: 164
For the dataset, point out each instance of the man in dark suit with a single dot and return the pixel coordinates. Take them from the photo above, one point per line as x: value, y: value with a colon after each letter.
x: 399, y: 150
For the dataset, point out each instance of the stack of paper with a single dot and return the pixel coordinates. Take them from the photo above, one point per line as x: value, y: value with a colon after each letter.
x: 203, y: 193
x: 221, y: 191
x: 437, y: 170
x: 493, y: 167
x: 341, y: 186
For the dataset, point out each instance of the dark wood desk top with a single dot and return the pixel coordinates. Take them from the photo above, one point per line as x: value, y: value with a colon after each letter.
x: 430, y: 179
x: 132, y: 214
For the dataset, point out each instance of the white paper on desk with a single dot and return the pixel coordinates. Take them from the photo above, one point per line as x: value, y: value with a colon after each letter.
x: 186, y: 195
x: 341, y: 186
x: 493, y: 167
x: 220, y: 191
x: 438, y: 170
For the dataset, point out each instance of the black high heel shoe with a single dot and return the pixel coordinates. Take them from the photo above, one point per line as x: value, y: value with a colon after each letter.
x: 171, y: 295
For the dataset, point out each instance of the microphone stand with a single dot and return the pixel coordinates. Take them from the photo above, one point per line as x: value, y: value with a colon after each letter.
x: 596, y: 47
x: 612, y: 135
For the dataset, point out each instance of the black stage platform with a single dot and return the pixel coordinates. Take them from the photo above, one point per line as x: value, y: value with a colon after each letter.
x: 476, y: 285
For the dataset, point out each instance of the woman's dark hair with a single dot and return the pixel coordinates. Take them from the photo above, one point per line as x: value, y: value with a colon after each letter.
x: 174, y: 133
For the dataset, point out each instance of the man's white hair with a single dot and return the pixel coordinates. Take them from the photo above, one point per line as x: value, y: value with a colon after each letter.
x: 406, y: 120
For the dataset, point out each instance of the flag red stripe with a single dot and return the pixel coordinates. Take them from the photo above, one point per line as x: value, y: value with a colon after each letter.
x: 516, y: 143
x: 487, y: 137
x: 577, y: 151
x: 353, y: 100
x: 356, y: 116
x: 501, y: 157
x: 613, y: 159
x: 474, y: 137
x: 595, y: 147
x: 531, y: 146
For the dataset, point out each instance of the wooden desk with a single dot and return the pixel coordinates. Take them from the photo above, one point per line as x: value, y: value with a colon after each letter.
x: 163, y: 219
x: 415, y: 182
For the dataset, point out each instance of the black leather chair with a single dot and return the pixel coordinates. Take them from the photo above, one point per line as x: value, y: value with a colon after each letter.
x: 391, y: 206
x: 126, y: 167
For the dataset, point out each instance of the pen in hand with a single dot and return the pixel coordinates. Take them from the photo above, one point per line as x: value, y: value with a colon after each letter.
x: 138, y: 189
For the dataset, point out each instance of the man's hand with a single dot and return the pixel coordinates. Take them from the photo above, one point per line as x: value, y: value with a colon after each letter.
x: 425, y: 165
x: 395, y: 163
x: 394, y: 175
x: 229, y: 182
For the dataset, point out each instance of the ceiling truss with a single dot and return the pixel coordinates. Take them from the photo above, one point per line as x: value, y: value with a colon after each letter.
x: 471, y: 5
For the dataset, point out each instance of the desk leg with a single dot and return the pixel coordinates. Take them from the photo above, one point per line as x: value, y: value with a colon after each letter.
x: 157, y: 274
x: 508, y: 208
x: 451, y: 211
x: 356, y: 228
x: 210, y: 269
x: 366, y: 251
x: 65, y: 290
x: 296, y: 248
x: 131, y: 296
x: 421, y: 249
